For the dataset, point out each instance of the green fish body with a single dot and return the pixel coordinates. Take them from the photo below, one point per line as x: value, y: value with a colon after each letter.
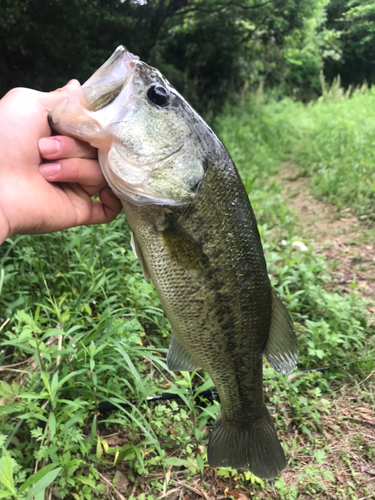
x: 196, y: 237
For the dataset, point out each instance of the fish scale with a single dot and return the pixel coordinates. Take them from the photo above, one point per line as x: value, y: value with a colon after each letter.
x: 196, y: 238
x: 235, y: 286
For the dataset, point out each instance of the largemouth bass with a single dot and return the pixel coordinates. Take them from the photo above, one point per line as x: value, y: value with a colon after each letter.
x: 196, y: 237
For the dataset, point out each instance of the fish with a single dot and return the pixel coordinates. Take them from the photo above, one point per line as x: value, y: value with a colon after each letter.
x: 196, y: 237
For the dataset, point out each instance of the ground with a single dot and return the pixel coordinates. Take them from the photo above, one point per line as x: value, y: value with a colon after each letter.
x: 346, y: 241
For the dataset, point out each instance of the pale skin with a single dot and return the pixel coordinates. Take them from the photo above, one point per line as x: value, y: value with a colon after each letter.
x: 46, y: 183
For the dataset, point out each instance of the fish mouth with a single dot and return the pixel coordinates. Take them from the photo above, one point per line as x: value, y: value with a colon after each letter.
x: 87, y: 110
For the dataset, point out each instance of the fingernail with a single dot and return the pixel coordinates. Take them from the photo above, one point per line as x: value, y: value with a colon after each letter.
x: 49, y: 169
x: 49, y: 145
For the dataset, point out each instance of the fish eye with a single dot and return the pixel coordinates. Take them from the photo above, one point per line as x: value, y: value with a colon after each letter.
x: 158, y: 95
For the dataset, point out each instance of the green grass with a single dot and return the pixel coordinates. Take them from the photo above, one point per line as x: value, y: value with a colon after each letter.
x: 331, y: 140
x: 338, y: 151
x: 79, y: 325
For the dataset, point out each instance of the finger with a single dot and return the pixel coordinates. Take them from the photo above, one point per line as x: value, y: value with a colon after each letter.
x: 76, y: 170
x: 60, y: 146
x: 51, y: 99
x: 98, y: 212
x: 107, y: 208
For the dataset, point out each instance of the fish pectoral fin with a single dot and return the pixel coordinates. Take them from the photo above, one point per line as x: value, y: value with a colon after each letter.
x: 183, y: 248
x: 137, y: 250
x: 253, y: 446
x: 178, y: 359
x: 282, y: 349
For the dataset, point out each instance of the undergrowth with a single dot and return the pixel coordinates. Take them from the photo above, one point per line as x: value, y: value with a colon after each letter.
x: 79, y: 325
x: 331, y: 140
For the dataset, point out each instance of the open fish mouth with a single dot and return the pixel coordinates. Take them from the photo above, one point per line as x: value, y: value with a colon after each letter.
x: 87, y: 110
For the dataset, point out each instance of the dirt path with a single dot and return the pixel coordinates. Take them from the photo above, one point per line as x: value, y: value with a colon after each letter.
x: 349, y: 429
x: 347, y: 243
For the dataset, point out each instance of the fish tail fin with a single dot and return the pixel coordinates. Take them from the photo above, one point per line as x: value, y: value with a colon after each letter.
x: 254, y: 447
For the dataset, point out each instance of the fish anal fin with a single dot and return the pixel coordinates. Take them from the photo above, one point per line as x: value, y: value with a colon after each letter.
x: 282, y: 349
x: 137, y: 250
x: 178, y: 359
x: 254, y: 446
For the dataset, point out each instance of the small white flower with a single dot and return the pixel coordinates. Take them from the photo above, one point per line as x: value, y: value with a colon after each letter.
x: 300, y: 245
x: 284, y: 243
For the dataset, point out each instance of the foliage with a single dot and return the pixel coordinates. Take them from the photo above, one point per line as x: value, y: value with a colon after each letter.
x: 306, y: 50
x: 354, y: 20
x: 210, y: 50
x: 361, y: 18
x: 331, y: 140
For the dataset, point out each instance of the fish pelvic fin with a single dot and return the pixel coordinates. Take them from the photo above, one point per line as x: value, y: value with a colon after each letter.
x: 137, y: 250
x: 178, y: 359
x: 254, y: 447
x: 282, y: 349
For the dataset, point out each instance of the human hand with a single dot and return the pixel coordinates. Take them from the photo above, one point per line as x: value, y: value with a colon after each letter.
x: 31, y: 201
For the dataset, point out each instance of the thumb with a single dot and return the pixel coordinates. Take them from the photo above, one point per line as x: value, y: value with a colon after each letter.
x: 51, y: 99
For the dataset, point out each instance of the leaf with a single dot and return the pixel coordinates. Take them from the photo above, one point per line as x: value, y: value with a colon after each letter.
x: 320, y: 456
x: 6, y: 472
x: 36, y: 477
x: 99, y: 450
x: 177, y: 461
x: 86, y: 480
x: 34, y: 395
x: 54, y: 382
x: 363, y: 410
x: 200, y: 463
x: 237, y: 495
x: 43, y: 483
x: 5, y: 389
x: 131, y: 367
x: 93, y: 430
x: 36, y: 315
x: 46, y: 383
x: 4, y: 494
x: 65, y: 379
x: 105, y: 445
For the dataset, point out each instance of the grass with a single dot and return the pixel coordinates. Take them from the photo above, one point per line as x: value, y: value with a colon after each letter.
x: 79, y: 325
x: 331, y: 140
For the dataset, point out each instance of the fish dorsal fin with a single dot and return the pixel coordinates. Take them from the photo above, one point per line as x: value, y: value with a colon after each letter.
x: 282, y: 348
x: 178, y: 359
x: 137, y: 250
x: 182, y: 246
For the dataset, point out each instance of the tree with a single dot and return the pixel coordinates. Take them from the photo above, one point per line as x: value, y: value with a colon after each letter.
x: 209, y: 49
x: 355, y: 19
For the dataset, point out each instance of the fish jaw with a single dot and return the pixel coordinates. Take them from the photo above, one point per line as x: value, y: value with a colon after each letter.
x: 87, y: 111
